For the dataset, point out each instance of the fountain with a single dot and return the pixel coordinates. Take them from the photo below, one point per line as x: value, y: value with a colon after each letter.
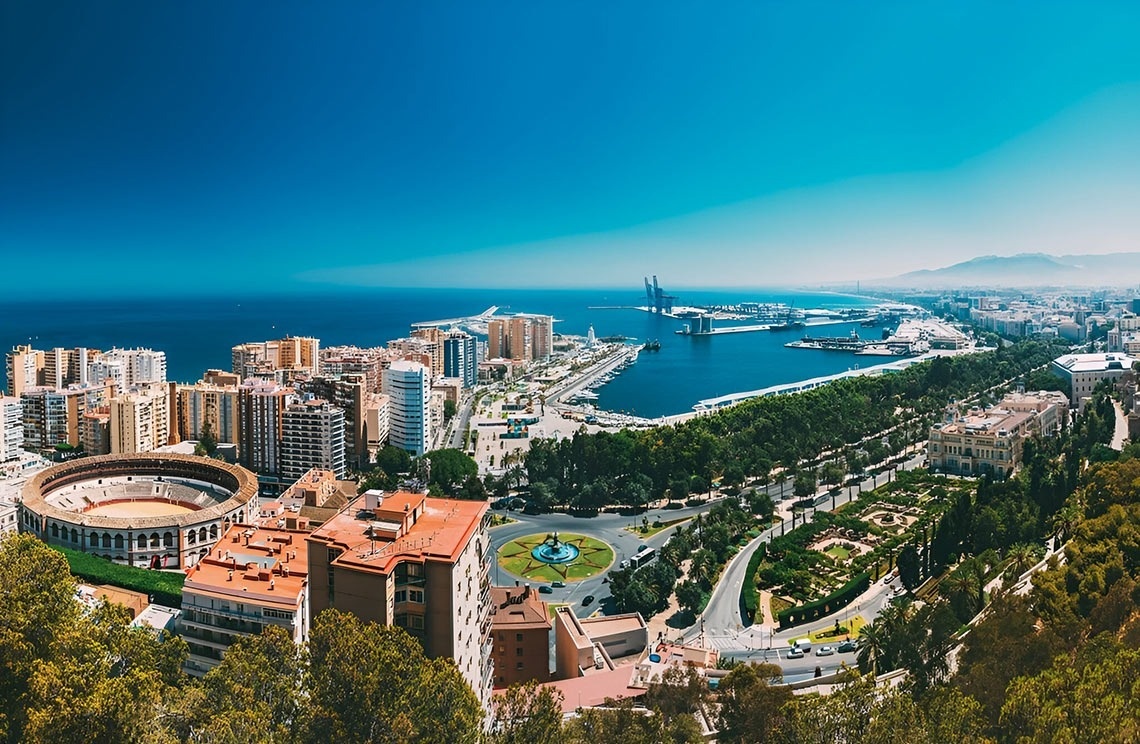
x: 554, y: 551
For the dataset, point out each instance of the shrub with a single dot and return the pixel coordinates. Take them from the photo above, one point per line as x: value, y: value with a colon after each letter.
x: 749, y: 596
x: 163, y: 587
x: 827, y: 605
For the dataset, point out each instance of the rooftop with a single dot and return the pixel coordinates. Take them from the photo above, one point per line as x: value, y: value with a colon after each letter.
x: 592, y: 691
x: 1094, y: 362
x: 995, y: 421
x: 262, y: 565
x: 514, y: 607
x: 419, y: 528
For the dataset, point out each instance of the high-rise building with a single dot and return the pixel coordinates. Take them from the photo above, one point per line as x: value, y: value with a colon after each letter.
x: 63, y: 367
x: 127, y: 368
x: 262, y: 406
x: 434, y: 338
x: 496, y: 339
x: 53, y: 417
x: 348, y: 392
x: 460, y: 359
x: 415, y: 562
x: 312, y: 436
x: 280, y: 359
x: 203, y: 403
x: 140, y: 419
x: 345, y: 360
x: 416, y: 350
x: 95, y: 431
x: 11, y: 428
x: 24, y: 366
x: 541, y: 336
x: 376, y: 423
x: 518, y: 339
x: 408, y: 387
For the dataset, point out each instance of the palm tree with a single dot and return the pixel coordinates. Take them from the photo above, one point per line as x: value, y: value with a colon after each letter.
x: 1066, y: 519
x: 872, y: 644
x: 1021, y: 556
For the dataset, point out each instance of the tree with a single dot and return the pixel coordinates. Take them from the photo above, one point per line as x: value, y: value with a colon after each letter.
x: 255, y: 693
x: 527, y: 714
x: 1088, y: 699
x: 450, y: 468
x: 750, y: 706
x: 910, y: 569
x: 372, y: 683
x: 804, y: 484
x: 680, y: 692
x: 689, y: 596
x: 207, y: 443
x: 449, y: 410
x: 37, y: 603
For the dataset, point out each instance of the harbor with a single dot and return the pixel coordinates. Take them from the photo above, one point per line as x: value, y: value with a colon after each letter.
x: 912, y: 336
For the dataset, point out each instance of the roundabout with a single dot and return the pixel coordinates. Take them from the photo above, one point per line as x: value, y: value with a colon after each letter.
x: 555, y: 557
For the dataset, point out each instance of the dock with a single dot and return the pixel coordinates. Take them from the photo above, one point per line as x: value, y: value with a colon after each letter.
x: 718, y: 331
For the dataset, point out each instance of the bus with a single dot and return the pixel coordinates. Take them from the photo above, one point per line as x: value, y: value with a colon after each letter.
x: 645, y: 555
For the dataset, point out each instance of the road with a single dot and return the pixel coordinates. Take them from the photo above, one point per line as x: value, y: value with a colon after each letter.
x: 460, y: 420
x: 723, y: 610
x: 606, y: 527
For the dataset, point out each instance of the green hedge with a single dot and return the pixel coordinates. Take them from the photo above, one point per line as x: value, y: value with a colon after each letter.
x: 749, y: 597
x: 163, y: 587
x: 829, y: 604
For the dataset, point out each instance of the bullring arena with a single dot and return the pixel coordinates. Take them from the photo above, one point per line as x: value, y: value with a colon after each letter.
x: 149, y: 510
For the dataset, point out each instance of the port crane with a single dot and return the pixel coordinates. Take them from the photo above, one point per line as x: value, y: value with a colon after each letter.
x: 656, y: 299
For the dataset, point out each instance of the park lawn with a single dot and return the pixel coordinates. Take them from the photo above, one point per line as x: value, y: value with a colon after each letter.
x: 552, y: 609
x: 838, y: 551
x: 853, y: 625
x: 595, y: 557
x: 647, y: 532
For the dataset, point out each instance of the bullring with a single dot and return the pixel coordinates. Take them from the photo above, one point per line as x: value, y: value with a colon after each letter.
x: 155, y: 510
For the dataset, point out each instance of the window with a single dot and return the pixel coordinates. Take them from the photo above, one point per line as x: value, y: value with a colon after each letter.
x: 416, y: 595
x: 519, y: 666
x: 401, y: 595
x: 518, y: 651
x: 518, y: 637
x: 416, y: 622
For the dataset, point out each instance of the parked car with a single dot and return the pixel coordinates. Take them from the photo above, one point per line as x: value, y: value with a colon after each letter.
x: 588, y: 599
x: 544, y: 589
x: 558, y: 584
x: 824, y: 651
x: 795, y: 653
x: 848, y: 646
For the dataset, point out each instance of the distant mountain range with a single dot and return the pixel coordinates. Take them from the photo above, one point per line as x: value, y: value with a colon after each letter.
x: 1025, y: 270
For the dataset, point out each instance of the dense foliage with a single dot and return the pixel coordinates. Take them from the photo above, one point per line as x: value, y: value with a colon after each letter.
x: 751, y: 438
x: 69, y: 674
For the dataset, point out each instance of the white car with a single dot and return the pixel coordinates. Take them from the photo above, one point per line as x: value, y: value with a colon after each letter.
x: 824, y: 651
x: 795, y: 653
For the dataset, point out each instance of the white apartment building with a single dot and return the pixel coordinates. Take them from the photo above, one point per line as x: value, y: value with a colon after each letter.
x: 11, y: 428
x: 23, y: 365
x: 127, y: 368
x: 408, y: 387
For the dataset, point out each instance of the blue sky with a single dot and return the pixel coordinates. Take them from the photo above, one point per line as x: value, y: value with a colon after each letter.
x: 215, y: 146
